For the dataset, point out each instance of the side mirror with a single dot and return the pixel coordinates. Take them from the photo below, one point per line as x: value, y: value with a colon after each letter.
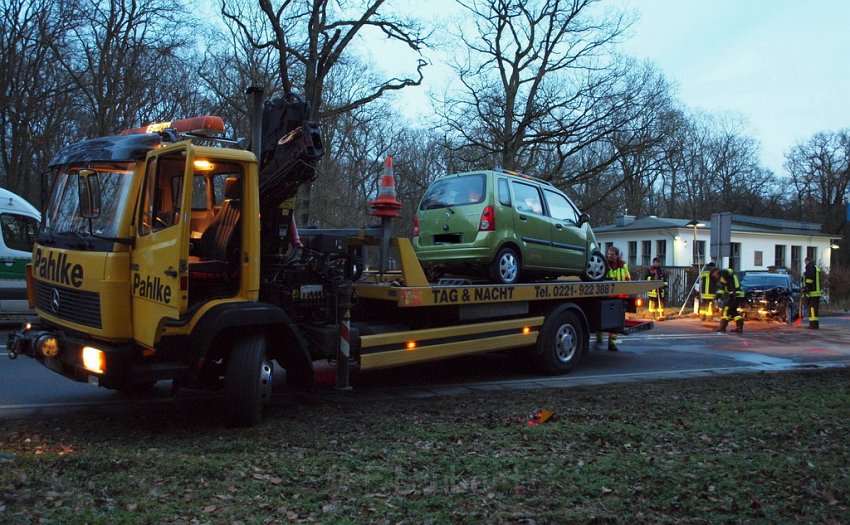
x: 583, y: 218
x: 88, y: 186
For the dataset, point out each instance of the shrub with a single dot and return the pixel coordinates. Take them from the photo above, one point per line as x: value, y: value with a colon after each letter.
x: 837, y: 283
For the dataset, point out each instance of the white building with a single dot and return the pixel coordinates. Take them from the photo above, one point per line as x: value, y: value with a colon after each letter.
x: 757, y: 243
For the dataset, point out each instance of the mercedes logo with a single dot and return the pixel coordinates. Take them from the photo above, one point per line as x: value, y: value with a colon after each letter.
x: 54, y: 303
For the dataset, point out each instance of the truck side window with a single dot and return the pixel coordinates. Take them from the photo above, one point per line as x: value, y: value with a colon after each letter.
x: 199, y: 192
x: 160, y: 202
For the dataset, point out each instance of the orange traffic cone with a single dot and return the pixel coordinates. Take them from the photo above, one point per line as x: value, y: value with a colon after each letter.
x: 386, y: 205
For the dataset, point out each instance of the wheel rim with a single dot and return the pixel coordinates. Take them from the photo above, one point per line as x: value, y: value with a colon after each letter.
x: 508, y: 267
x: 266, y: 379
x: 566, y: 342
x: 595, y: 266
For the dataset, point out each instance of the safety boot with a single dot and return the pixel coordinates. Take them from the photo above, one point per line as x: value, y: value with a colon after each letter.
x: 739, y: 326
x: 612, y: 347
x: 723, y: 324
x: 814, y: 325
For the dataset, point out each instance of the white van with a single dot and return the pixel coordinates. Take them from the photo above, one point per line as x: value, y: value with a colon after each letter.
x: 19, y: 222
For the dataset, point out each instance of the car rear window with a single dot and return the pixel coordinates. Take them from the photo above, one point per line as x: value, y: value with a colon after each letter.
x: 454, y: 191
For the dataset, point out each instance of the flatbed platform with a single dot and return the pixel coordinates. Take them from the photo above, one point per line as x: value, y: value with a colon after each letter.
x: 435, y: 295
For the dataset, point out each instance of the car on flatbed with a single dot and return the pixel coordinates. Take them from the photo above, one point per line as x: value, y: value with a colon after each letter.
x: 505, y: 226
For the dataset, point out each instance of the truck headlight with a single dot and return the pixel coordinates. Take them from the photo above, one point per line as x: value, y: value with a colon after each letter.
x: 47, y: 345
x: 94, y: 360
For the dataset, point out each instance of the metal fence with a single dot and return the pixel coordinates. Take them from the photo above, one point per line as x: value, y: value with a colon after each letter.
x: 680, y: 283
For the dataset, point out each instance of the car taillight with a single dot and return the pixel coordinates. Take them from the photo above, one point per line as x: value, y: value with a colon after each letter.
x: 416, y: 225
x: 488, y: 220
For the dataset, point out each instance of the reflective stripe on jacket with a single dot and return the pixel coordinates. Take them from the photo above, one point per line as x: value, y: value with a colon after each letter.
x: 811, y: 281
x: 706, y: 291
x: 728, y: 282
x: 620, y: 272
x: 657, y: 275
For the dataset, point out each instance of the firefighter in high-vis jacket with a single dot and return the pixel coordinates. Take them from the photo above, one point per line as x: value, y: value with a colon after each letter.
x: 812, y: 292
x: 729, y: 288
x: 618, y: 270
x: 658, y: 295
x: 707, y: 289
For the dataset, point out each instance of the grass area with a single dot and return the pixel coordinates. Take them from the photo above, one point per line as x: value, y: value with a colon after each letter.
x: 739, y: 448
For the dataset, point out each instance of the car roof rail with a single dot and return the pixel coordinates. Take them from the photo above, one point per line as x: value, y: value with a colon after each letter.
x: 522, y: 175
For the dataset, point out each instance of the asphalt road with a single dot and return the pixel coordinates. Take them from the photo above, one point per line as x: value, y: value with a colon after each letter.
x: 676, y: 348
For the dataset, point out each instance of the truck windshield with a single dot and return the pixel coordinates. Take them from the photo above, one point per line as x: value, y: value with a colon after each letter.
x: 62, y: 214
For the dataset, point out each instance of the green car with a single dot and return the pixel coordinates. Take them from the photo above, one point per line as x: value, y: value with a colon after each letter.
x: 505, y: 226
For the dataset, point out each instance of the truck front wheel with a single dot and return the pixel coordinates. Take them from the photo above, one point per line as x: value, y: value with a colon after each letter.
x: 247, y: 382
x: 561, y: 343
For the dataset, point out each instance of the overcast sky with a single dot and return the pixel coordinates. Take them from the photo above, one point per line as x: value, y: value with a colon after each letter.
x: 783, y: 65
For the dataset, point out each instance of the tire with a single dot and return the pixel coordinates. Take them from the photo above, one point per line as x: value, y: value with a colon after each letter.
x: 247, y: 382
x: 792, y: 310
x: 562, y: 343
x: 596, y: 269
x: 505, y: 267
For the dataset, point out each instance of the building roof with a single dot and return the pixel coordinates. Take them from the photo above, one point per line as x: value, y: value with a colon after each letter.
x: 740, y: 223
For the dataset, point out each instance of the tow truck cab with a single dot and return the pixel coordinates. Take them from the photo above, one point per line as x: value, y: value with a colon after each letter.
x: 138, y: 234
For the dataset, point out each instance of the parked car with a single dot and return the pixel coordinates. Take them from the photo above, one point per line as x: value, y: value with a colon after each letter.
x: 774, y: 296
x: 506, y: 227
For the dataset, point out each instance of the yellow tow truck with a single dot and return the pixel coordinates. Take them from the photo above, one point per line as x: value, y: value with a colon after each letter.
x: 166, y: 253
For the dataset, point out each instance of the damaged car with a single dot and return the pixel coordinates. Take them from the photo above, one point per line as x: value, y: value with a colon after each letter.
x: 771, y: 296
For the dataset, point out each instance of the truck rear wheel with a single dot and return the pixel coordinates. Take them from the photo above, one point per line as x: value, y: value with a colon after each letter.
x: 561, y: 343
x: 247, y: 382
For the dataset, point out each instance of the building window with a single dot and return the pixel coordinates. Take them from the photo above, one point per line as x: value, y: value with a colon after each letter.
x: 796, y: 252
x: 632, y: 253
x: 661, y: 251
x: 812, y: 253
x: 757, y: 259
x: 779, y: 257
x: 646, y: 253
x: 735, y: 256
x: 699, y: 253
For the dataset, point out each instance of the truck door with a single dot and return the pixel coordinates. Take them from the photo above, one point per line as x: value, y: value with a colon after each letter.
x: 159, y: 260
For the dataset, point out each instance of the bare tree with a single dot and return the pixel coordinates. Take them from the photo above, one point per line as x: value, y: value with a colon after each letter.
x: 311, y: 37
x: 35, y: 98
x: 538, y: 79
x: 125, y: 64
x: 820, y: 175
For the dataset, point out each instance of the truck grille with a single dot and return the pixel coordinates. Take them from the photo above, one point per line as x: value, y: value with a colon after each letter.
x: 72, y: 305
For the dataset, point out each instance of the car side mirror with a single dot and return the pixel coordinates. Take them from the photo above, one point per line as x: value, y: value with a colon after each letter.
x: 583, y: 218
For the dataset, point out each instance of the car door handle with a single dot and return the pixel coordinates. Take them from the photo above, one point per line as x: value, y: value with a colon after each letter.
x: 523, y: 218
x: 171, y: 272
x: 559, y: 226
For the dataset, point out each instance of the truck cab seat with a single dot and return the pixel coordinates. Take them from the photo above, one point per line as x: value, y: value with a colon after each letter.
x: 217, y: 251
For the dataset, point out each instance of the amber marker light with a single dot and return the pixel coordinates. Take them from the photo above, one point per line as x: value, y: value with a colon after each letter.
x: 639, y: 301
x: 410, y: 345
x: 203, y: 165
x: 526, y: 330
x: 94, y: 360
